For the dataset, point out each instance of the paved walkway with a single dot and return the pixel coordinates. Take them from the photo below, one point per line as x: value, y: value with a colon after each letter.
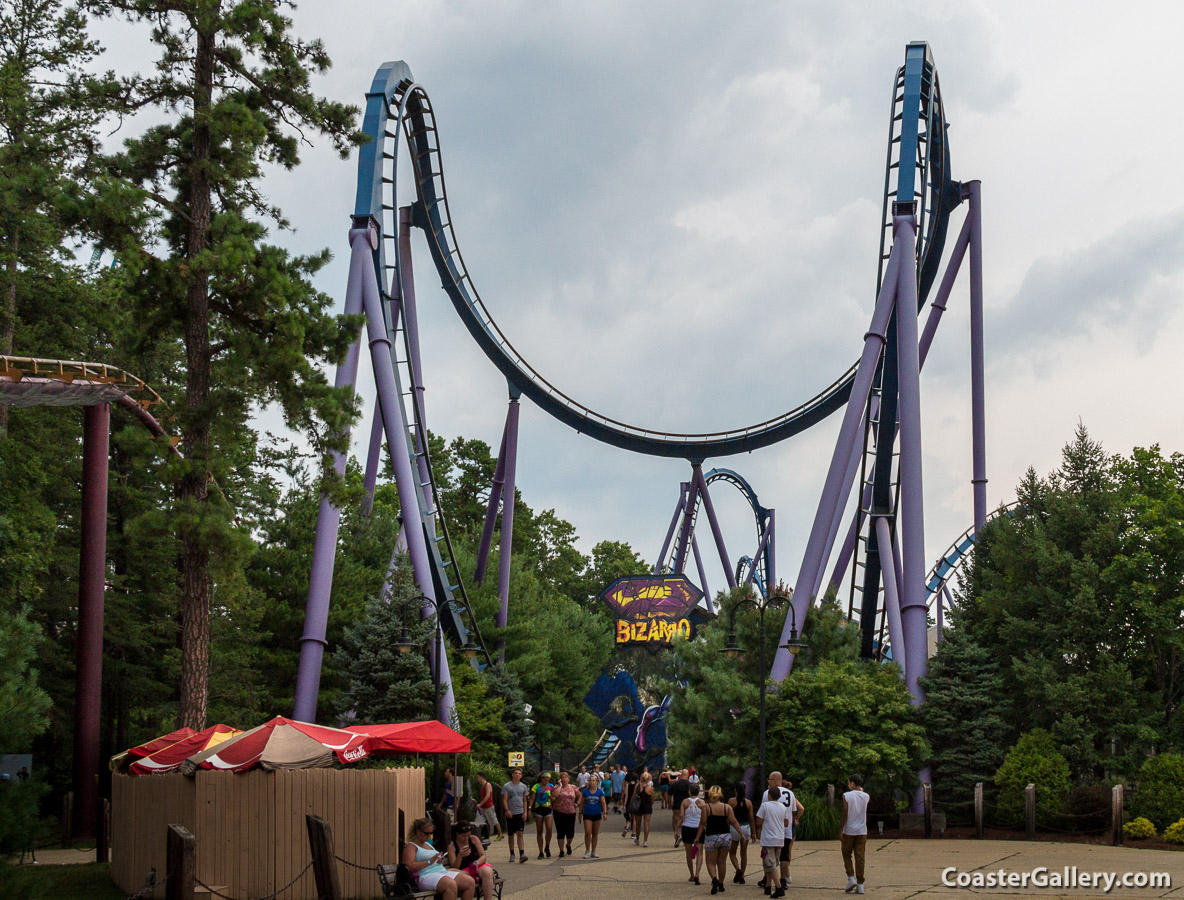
x: 896, y: 869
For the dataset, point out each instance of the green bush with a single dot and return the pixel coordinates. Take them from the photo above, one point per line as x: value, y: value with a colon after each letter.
x: 1139, y: 829
x: 819, y: 822
x: 1174, y: 834
x: 1159, y: 795
x: 1036, y: 760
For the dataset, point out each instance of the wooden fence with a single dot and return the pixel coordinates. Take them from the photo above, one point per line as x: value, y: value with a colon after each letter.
x: 250, y: 829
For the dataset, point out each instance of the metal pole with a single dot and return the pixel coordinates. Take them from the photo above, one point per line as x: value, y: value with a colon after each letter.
x: 684, y: 537
x: 362, y: 242
x: 891, y: 589
x: 771, y: 552
x: 709, y: 508
x: 764, y: 681
x: 411, y: 325
x: 756, y: 557
x: 92, y: 568
x: 495, y: 496
x: 436, y: 698
x: 678, y: 508
x: 503, y: 562
x: 913, y: 610
x: 834, y: 487
x: 977, y: 388
x: 702, y: 573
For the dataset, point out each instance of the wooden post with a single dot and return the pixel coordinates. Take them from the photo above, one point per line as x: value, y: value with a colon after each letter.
x: 830, y: 796
x: 1116, y: 815
x: 324, y: 860
x: 179, y: 864
x: 103, y: 831
x: 1030, y: 812
x: 978, y: 810
x: 927, y: 800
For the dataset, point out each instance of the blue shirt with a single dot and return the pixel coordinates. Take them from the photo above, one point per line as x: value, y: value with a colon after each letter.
x: 618, y: 780
x: 593, y: 802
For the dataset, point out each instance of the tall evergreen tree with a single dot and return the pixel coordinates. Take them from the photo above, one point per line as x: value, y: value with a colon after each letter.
x: 183, y: 205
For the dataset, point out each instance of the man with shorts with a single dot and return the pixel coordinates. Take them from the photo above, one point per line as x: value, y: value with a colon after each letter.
x: 513, y: 803
x: 485, y: 807
x: 778, y: 791
x: 680, y: 789
x: 772, y: 825
x: 618, y: 779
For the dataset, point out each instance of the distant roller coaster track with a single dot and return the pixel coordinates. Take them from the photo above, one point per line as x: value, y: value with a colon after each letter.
x: 398, y: 108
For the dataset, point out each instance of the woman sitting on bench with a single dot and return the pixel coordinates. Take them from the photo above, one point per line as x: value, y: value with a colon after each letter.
x: 427, y: 865
x: 467, y: 853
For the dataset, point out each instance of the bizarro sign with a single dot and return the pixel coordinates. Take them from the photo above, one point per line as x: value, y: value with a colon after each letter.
x: 652, y: 609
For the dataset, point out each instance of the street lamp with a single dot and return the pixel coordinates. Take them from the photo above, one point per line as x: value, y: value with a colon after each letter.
x: 733, y: 648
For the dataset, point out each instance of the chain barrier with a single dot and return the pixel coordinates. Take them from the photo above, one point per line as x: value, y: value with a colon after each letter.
x: 353, y: 865
x: 150, y: 885
x: 270, y: 896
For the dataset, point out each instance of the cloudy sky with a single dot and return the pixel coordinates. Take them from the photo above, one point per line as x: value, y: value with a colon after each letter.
x: 672, y: 210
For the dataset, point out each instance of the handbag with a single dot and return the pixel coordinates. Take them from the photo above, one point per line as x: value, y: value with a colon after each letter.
x: 635, y: 803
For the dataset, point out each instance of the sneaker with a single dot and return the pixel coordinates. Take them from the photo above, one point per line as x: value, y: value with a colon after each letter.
x: 851, y: 884
x: 714, y: 886
x: 625, y: 831
x: 587, y: 854
x: 595, y: 855
x: 548, y: 853
x: 859, y: 888
x: 761, y: 883
x: 499, y: 837
x: 561, y: 853
x: 677, y: 840
x: 721, y: 885
x: 780, y: 892
x: 645, y: 843
x: 540, y: 854
x: 736, y: 879
x: 635, y: 839
x: 741, y: 881
x: 768, y: 890
x: 511, y: 856
x: 788, y: 880
x: 521, y: 858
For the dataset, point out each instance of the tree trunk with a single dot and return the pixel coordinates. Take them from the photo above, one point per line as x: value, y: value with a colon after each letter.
x: 8, y: 319
x: 194, y: 487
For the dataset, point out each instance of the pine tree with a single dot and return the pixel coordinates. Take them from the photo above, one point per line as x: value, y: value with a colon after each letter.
x: 183, y: 205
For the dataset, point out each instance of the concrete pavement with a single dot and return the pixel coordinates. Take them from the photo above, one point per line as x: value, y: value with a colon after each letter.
x: 896, y: 869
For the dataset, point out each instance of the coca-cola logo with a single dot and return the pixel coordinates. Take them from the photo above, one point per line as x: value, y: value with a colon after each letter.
x: 355, y: 754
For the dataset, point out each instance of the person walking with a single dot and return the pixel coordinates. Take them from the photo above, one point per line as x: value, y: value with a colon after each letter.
x: 742, y: 833
x: 716, y: 837
x: 853, y: 834
x: 690, y: 815
x: 467, y: 854
x: 540, y: 808
x: 779, y: 791
x: 564, y: 800
x: 664, y: 787
x: 618, y: 782
x: 645, y: 809
x: 772, y: 826
x: 631, y: 782
x: 592, y: 813
x: 485, y: 807
x: 582, y: 778
x: 680, y: 789
x: 514, y: 806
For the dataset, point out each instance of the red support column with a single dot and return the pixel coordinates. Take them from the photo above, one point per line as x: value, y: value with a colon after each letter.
x: 91, y: 582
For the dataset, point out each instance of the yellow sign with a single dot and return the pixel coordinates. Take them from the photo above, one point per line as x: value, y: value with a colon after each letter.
x: 648, y: 630
x: 517, y: 759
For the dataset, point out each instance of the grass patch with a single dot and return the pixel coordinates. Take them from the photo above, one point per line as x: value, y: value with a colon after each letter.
x: 90, y: 881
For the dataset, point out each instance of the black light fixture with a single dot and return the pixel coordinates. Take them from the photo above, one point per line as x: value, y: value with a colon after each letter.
x: 733, y: 649
x: 404, y: 643
x: 470, y: 648
x: 793, y: 645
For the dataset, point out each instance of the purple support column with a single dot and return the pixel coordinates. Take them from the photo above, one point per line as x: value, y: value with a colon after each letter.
x: 709, y: 508
x: 503, y: 562
x: 92, y: 570
x: 911, y: 527
x: 938, y: 306
x: 702, y: 574
x: 495, y: 496
x: 832, y: 532
x: 941, y: 624
x: 891, y: 590
x: 977, y: 387
x: 771, y: 551
x: 685, y: 534
x: 320, y: 580
x: 373, y: 458
x: 411, y: 324
x: 834, y: 488
x: 679, y: 507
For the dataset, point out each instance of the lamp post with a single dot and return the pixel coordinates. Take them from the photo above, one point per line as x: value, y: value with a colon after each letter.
x: 733, y: 649
x: 405, y: 644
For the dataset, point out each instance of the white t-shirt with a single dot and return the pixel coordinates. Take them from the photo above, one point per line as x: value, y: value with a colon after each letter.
x: 856, y: 812
x: 784, y: 794
x: 582, y: 779
x: 774, y: 817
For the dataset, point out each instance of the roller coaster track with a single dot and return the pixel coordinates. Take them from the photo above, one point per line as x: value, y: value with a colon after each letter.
x: 397, y: 100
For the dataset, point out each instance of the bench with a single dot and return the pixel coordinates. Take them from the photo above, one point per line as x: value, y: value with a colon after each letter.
x: 395, y: 886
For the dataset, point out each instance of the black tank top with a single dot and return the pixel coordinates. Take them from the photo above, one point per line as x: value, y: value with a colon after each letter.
x: 741, y: 812
x: 715, y: 824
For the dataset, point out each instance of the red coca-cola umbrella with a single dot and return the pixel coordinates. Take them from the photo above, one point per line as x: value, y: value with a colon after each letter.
x: 281, y: 744
x: 170, y: 758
